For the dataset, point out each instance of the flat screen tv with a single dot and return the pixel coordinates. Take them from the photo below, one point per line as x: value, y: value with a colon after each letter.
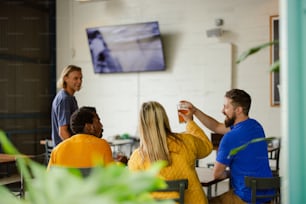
x: 126, y: 48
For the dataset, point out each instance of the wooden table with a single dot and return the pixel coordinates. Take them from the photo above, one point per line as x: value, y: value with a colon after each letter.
x: 7, y: 158
x: 207, y: 179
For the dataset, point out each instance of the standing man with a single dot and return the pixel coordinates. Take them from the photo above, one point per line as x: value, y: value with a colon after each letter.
x: 64, y: 103
x: 238, y: 129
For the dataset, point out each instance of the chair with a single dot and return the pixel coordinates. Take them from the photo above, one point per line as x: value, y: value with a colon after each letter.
x: 264, y: 184
x: 48, y: 150
x: 273, y: 155
x: 179, y: 186
x: 215, y: 139
x: 85, y: 171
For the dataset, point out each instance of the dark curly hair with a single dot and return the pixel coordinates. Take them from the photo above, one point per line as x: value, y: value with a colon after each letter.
x: 80, y: 117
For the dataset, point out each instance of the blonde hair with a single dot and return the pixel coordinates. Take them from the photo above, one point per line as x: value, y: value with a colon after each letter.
x: 154, y: 129
x: 66, y: 71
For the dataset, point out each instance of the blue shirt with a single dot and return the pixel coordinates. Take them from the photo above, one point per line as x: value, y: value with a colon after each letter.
x: 251, y: 161
x: 63, y: 106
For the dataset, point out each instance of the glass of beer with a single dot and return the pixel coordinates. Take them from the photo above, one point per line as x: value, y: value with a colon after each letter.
x: 182, y: 108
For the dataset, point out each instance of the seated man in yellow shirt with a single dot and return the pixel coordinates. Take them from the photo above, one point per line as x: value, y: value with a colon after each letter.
x: 86, y: 148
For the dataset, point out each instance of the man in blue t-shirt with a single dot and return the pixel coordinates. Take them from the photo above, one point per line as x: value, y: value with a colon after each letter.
x: 64, y: 103
x: 238, y: 129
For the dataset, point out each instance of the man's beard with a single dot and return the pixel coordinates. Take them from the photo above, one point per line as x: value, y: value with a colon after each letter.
x: 97, y: 134
x: 229, y: 121
x: 101, y: 134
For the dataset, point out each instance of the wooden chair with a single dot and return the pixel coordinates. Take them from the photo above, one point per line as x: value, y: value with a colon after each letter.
x: 256, y: 183
x: 179, y: 186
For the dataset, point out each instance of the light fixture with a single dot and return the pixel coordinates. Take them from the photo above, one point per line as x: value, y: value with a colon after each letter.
x: 216, y: 32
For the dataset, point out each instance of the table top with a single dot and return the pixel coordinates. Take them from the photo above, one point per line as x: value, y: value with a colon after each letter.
x: 206, y: 176
x: 121, y: 142
x: 7, y: 158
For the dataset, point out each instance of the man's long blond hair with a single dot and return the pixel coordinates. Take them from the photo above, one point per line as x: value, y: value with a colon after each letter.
x: 66, y: 71
x: 154, y: 129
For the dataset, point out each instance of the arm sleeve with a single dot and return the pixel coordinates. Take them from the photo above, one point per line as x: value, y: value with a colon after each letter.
x: 63, y: 112
x: 202, y: 142
x: 134, y: 161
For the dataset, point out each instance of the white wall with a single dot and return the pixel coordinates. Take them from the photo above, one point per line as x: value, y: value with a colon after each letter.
x: 199, y: 69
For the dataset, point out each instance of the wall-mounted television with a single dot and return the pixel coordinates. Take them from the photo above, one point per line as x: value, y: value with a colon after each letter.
x: 126, y: 48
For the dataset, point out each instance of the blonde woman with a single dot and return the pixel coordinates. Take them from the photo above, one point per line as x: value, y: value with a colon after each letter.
x: 180, y: 150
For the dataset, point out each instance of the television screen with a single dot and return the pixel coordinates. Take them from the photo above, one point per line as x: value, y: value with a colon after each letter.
x: 126, y: 48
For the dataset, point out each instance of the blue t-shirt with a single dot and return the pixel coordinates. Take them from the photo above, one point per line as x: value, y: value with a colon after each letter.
x: 63, y: 106
x: 251, y: 161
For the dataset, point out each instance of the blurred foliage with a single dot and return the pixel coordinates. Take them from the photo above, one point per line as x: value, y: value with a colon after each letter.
x: 113, y: 184
x: 275, y: 67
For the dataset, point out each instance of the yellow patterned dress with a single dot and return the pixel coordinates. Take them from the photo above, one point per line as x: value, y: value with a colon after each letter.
x: 196, y: 146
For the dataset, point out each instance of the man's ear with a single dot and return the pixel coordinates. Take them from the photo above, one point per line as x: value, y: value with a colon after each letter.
x: 88, y: 128
x: 239, y: 110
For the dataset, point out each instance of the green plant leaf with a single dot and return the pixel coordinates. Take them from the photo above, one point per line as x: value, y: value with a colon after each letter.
x: 254, y: 50
x: 242, y: 147
x: 275, y: 67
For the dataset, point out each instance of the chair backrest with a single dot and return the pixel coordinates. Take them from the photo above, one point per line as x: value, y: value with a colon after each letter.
x: 274, y: 155
x: 48, y: 150
x: 85, y: 171
x: 215, y: 139
x: 179, y: 186
x: 274, y: 147
x: 256, y: 183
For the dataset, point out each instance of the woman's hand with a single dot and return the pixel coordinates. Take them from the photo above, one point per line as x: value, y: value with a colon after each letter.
x: 191, y: 109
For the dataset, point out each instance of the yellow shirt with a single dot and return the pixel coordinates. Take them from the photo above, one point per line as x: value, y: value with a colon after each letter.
x: 81, y: 150
x: 197, y: 146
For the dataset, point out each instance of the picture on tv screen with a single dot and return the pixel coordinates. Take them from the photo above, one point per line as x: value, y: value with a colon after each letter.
x: 126, y: 48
